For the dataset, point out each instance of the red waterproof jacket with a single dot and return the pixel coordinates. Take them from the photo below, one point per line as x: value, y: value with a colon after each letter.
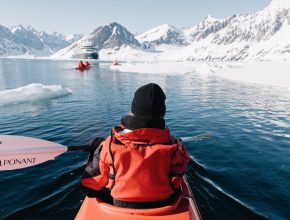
x: 81, y: 65
x: 144, y: 165
x: 87, y: 64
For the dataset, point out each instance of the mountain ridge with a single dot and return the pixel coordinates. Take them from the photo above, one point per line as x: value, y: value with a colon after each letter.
x: 263, y: 35
x: 19, y: 40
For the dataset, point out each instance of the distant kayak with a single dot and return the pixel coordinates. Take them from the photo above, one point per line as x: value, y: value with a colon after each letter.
x: 83, y: 68
x: 184, y: 208
x: 116, y: 63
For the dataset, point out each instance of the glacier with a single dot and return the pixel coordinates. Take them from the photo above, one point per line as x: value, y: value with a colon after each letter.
x: 263, y: 36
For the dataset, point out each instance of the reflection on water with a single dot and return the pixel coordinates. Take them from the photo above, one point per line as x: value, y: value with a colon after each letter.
x: 30, y: 108
x: 241, y: 172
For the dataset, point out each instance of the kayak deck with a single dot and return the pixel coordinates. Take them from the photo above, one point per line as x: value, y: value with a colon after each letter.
x: 82, y: 68
x: 184, y: 208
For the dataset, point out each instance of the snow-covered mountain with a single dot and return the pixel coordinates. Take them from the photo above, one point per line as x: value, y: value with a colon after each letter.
x: 28, y: 37
x: 112, y: 36
x: 264, y: 35
x: 10, y: 43
x: 163, y: 34
x: 55, y: 41
x: 73, y: 37
x: 21, y: 40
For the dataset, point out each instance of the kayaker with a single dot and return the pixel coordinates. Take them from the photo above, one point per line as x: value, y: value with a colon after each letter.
x: 81, y: 65
x: 140, y: 162
x: 115, y: 63
x: 87, y: 64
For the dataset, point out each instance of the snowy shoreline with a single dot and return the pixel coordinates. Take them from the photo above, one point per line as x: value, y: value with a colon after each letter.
x: 266, y: 73
x: 271, y: 73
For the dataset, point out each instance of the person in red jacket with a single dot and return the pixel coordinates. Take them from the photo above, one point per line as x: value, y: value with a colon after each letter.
x: 140, y: 162
x: 81, y: 65
x: 87, y: 64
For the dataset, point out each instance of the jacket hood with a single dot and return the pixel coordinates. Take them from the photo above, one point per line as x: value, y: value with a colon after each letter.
x: 146, y: 136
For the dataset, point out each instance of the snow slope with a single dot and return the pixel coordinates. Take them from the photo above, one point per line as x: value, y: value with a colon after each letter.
x: 265, y: 73
x: 112, y: 36
x: 163, y: 34
x: 27, y: 41
x: 264, y: 35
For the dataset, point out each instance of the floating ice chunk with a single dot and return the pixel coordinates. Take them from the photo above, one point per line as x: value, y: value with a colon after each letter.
x: 32, y: 93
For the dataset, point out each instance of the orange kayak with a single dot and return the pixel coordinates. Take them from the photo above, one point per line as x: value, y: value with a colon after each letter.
x: 83, y: 68
x: 184, y: 208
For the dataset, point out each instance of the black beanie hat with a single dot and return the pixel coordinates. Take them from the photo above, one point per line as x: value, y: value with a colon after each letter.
x: 148, y: 108
x: 149, y: 101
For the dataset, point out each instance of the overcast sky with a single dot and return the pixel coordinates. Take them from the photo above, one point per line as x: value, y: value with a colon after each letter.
x: 71, y: 16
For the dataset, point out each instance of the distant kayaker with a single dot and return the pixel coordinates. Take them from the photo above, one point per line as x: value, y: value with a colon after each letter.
x: 87, y: 64
x: 81, y: 65
x: 140, y: 162
x: 115, y: 63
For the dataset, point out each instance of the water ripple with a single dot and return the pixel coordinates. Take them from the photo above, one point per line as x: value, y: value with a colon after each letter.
x: 242, y: 172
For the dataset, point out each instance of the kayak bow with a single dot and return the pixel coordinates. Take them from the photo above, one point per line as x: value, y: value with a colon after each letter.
x: 184, y: 208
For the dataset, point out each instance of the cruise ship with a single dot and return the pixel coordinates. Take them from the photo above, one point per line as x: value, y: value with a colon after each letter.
x: 87, y: 52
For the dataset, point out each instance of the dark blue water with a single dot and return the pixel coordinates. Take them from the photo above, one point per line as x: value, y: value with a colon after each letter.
x: 242, y: 172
